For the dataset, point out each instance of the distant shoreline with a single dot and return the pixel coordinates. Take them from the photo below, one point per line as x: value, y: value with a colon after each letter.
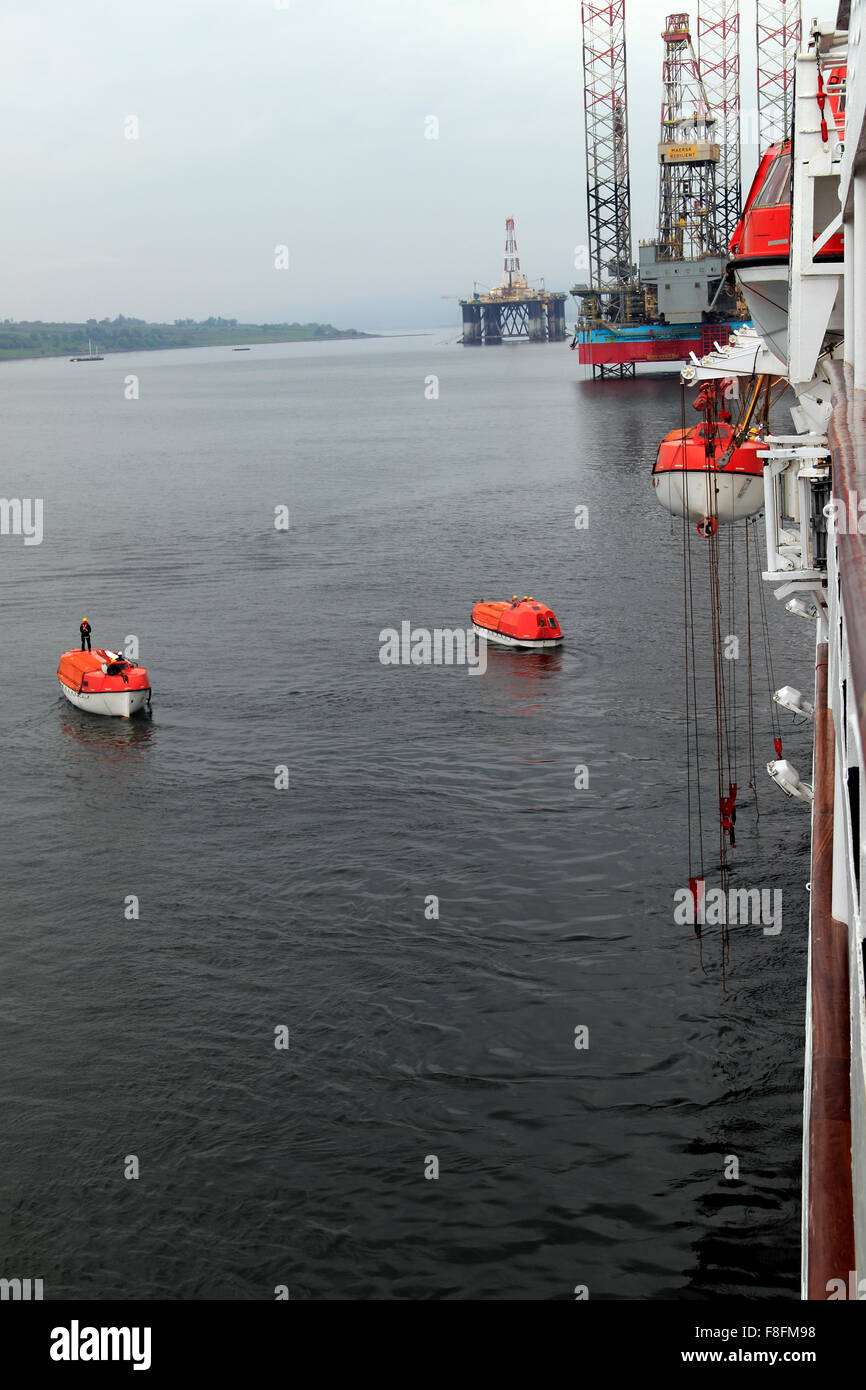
x: 29, y: 341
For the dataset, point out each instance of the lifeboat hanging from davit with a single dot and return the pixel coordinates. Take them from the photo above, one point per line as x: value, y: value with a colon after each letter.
x: 712, y: 474
x: 760, y: 249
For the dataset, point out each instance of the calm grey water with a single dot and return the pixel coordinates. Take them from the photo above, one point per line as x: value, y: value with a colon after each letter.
x: 409, y: 1037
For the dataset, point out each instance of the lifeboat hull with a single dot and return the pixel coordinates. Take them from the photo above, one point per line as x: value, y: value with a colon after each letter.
x: 726, y: 497
x: 524, y: 623
x: 765, y: 287
x: 103, y: 682
x: 112, y: 702
x: 527, y: 643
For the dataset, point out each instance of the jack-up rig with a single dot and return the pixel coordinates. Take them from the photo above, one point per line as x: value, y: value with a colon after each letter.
x: 680, y: 298
x: 513, y: 309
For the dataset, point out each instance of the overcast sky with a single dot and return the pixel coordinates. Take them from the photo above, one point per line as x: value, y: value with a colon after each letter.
x: 305, y: 126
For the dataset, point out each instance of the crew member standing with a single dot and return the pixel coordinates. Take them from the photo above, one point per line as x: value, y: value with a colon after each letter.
x: 85, y: 634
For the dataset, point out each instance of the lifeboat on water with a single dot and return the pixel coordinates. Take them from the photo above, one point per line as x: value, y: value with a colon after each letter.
x: 103, y: 682
x: 709, y: 485
x: 519, y: 623
x: 760, y: 249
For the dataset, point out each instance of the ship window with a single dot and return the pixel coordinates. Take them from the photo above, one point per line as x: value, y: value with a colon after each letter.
x: 552, y: 620
x: 777, y: 188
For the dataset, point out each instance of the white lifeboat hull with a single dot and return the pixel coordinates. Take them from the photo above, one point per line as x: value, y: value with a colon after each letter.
x: 766, y: 291
x: 697, y: 493
x: 119, y: 703
x: 528, y: 644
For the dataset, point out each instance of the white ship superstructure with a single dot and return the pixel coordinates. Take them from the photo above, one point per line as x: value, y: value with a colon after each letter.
x: 815, y: 520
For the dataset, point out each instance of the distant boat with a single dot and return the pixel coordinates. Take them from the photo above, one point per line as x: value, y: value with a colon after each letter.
x: 91, y: 355
x: 240, y: 349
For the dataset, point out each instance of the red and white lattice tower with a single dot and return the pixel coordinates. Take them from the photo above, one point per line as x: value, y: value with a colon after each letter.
x: 719, y: 58
x: 780, y: 30
x: 512, y: 260
x: 611, y: 261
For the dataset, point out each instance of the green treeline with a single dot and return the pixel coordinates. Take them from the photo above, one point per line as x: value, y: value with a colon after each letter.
x: 130, y: 335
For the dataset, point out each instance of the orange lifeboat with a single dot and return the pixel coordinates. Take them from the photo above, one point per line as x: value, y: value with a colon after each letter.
x: 760, y: 249
x: 709, y: 485
x: 519, y: 623
x: 103, y: 682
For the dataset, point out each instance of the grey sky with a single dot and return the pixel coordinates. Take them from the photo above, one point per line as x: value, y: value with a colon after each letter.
x: 303, y: 125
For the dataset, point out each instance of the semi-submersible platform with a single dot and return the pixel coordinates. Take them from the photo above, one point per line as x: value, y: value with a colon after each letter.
x: 514, y: 309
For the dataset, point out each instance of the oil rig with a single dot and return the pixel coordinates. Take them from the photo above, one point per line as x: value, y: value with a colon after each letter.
x: 678, y: 299
x: 513, y: 309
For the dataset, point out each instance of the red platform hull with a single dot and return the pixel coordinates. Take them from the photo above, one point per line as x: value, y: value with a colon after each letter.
x: 649, y: 350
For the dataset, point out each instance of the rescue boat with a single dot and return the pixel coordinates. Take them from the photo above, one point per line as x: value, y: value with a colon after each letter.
x: 519, y: 623
x: 760, y: 249
x: 103, y: 682
x: 709, y: 484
